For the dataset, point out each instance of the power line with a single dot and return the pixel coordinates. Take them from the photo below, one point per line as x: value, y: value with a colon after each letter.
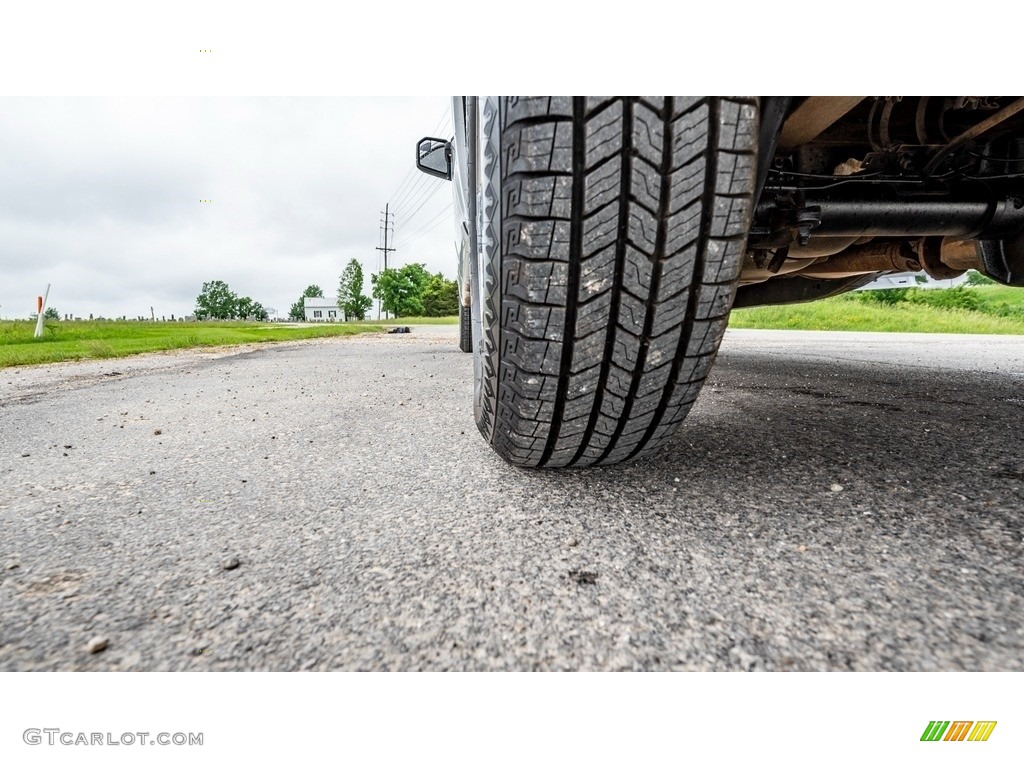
x: 400, y: 189
x: 433, y: 223
x: 445, y: 116
x: 404, y: 224
x: 402, y: 196
x: 426, y: 198
x: 412, y: 194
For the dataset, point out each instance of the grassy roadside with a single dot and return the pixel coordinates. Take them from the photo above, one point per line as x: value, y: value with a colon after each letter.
x: 981, y: 309
x: 988, y: 309
x: 83, y: 340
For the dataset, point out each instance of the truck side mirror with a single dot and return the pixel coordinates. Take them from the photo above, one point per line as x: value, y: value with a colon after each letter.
x: 434, y: 156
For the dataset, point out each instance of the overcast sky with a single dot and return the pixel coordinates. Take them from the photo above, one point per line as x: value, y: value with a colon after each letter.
x: 100, y: 197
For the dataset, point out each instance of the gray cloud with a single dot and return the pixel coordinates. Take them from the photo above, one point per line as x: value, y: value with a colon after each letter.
x: 101, y: 197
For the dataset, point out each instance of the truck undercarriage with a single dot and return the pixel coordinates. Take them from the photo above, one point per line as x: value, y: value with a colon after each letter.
x: 851, y: 188
x: 617, y: 233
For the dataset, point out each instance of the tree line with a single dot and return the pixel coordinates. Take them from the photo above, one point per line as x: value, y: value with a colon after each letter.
x: 409, y: 291
x: 218, y: 302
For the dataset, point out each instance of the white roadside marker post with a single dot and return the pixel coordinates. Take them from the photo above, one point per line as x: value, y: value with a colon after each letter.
x: 41, y: 306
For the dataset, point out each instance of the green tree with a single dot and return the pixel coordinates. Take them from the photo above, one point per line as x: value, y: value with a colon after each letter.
x: 440, y: 297
x: 353, y: 302
x: 976, y: 278
x: 259, y: 312
x: 51, y: 313
x: 298, y: 312
x: 216, y: 302
x: 248, y: 309
x: 243, y: 307
x: 401, y: 290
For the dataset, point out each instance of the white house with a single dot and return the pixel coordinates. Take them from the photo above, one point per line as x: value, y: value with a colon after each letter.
x: 322, y: 309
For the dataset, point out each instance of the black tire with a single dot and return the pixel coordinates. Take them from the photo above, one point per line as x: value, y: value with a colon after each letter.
x: 465, y: 329
x: 614, y: 233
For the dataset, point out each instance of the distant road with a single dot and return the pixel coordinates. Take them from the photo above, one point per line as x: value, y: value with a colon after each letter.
x: 834, y: 502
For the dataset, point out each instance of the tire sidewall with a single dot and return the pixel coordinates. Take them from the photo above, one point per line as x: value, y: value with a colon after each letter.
x: 486, y: 272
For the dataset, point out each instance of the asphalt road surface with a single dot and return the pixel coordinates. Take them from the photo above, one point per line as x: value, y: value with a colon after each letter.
x: 833, y: 502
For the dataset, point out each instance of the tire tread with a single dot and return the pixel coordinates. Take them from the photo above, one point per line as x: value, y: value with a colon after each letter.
x: 622, y: 227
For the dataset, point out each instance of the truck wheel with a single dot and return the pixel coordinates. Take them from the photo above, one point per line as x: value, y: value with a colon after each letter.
x: 614, y: 231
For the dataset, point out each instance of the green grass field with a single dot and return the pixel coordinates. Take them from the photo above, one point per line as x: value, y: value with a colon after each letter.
x: 988, y: 309
x: 82, y: 340
x: 995, y: 309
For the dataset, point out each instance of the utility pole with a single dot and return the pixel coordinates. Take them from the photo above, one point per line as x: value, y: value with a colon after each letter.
x: 387, y: 224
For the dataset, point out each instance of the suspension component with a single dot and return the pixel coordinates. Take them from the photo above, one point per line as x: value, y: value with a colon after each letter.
x: 906, y: 217
x: 864, y: 259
